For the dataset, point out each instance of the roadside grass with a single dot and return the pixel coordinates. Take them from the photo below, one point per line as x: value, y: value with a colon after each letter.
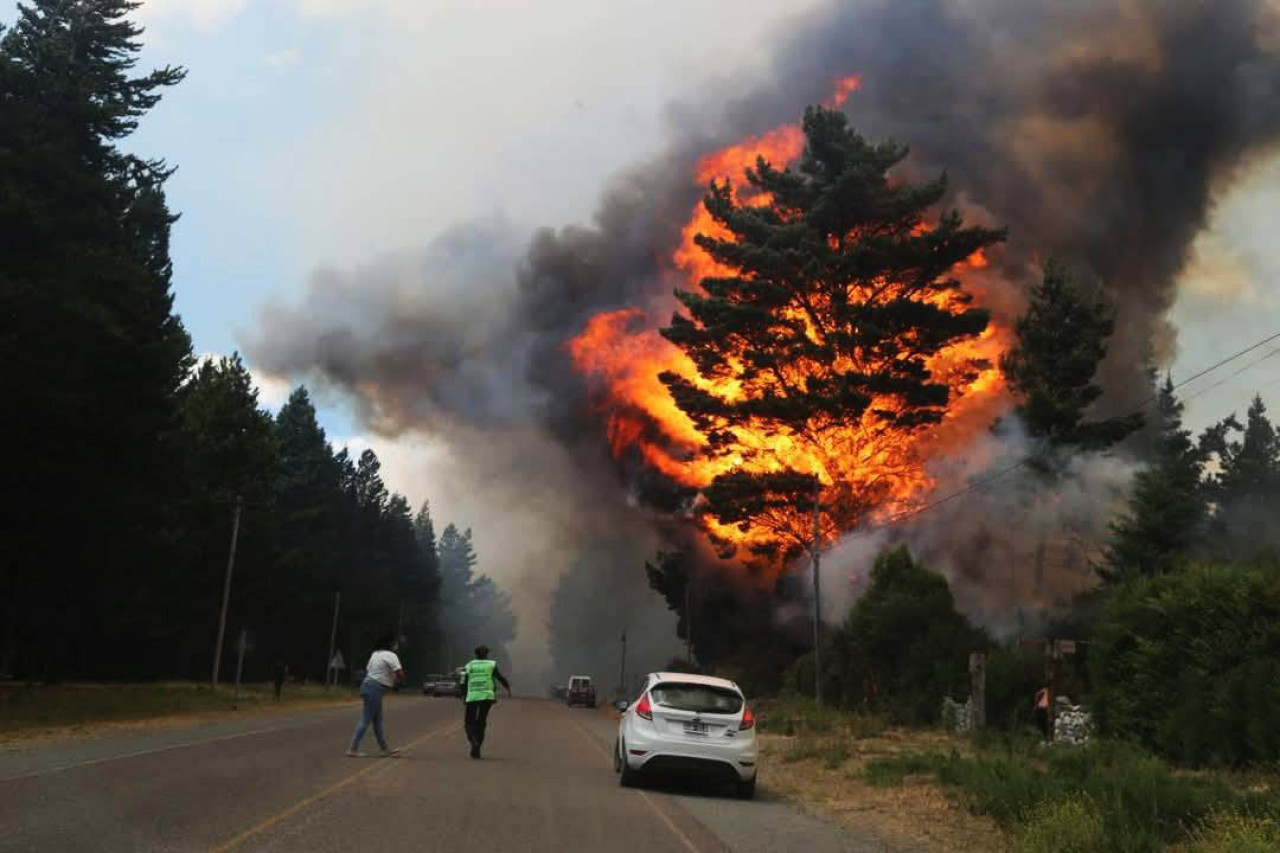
x: 816, y: 757
x: 30, y: 709
x: 803, y: 716
x: 1100, y: 797
x: 1233, y: 833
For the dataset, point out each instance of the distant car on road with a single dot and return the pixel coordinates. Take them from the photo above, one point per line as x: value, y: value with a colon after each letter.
x: 582, y: 691
x: 441, y: 685
x: 688, y: 726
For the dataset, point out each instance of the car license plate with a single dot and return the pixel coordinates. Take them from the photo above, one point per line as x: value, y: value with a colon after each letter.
x: 692, y: 728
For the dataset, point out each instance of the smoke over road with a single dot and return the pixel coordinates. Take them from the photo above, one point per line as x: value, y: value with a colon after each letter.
x: 1099, y: 132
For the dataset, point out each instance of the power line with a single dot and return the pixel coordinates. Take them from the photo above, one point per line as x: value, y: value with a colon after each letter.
x: 991, y: 478
x: 1227, y: 379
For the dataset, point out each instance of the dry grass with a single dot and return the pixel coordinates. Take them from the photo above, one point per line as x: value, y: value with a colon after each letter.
x: 824, y: 773
x: 31, y: 712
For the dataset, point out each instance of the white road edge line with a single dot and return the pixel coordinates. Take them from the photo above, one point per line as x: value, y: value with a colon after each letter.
x: 688, y: 845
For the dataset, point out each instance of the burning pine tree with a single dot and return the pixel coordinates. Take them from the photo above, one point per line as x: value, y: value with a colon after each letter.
x: 827, y: 333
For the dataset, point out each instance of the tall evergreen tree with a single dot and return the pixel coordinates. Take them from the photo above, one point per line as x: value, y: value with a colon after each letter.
x: 1246, y: 489
x: 425, y: 530
x: 473, y: 608
x: 820, y: 333
x: 229, y: 455
x: 1167, y: 506
x: 457, y: 559
x: 1061, y: 340
x: 310, y: 542
x: 91, y: 353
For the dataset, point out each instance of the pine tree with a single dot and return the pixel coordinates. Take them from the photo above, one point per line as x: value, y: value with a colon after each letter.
x: 1246, y: 490
x: 669, y: 576
x: 1061, y: 340
x: 457, y: 560
x: 91, y: 353
x: 1167, y: 507
x: 425, y: 530
x: 308, y: 566
x: 474, y: 609
x: 229, y: 455
x: 820, y: 334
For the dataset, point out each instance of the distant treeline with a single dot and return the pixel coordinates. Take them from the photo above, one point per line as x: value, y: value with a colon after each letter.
x: 127, y: 459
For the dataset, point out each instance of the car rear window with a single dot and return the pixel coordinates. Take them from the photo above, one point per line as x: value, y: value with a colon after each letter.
x: 702, y: 698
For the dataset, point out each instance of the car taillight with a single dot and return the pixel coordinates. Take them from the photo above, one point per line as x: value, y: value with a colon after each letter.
x: 748, y: 720
x: 643, y: 708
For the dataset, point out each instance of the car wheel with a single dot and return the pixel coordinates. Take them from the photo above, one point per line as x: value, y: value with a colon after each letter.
x: 746, y: 790
x: 617, y: 757
x: 627, y: 777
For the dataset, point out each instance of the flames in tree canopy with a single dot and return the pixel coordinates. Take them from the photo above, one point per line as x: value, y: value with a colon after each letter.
x: 824, y: 333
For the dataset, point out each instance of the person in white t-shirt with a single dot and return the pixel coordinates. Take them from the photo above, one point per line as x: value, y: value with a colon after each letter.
x: 382, y: 673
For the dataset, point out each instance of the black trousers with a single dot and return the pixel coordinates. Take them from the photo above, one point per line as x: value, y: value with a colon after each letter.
x: 477, y: 717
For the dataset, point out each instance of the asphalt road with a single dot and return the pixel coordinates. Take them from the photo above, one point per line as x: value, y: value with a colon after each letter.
x: 546, y: 783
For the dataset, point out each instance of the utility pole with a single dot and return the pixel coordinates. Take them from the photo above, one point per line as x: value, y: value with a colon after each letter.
x: 244, y: 641
x: 817, y: 594
x: 226, y: 590
x: 333, y: 638
x: 688, y: 619
x: 622, y: 676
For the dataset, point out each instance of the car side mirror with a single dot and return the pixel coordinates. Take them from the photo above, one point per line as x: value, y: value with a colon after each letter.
x: 622, y: 704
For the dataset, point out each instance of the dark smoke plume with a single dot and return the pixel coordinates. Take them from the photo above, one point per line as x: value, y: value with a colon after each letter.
x: 1099, y: 131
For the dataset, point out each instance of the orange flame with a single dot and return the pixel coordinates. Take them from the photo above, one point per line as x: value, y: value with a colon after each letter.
x: 623, y: 354
x: 845, y: 87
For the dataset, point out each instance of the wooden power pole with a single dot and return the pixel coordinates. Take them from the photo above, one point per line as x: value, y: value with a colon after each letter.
x: 817, y: 594
x: 226, y: 591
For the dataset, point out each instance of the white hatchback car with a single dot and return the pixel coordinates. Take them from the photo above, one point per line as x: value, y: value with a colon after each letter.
x: 688, y: 725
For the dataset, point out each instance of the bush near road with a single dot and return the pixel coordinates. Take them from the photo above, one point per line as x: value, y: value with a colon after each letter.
x: 1188, y: 664
x: 922, y: 787
x: 1105, y: 796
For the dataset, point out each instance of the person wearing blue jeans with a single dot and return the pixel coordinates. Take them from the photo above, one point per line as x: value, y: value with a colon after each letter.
x: 382, y: 673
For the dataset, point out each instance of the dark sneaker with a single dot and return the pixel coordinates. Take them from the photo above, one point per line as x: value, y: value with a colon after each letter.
x: 475, y: 750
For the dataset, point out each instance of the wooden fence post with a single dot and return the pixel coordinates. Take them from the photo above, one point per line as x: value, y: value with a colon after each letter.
x: 978, y: 689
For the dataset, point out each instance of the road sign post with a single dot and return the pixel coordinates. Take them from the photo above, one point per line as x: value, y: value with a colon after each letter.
x: 333, y: 637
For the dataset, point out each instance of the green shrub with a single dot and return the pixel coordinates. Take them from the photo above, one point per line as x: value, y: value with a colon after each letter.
x: 1071, y: 825
x: 1188, y: 664
x: 903, y: 646
x: 1142, y: 803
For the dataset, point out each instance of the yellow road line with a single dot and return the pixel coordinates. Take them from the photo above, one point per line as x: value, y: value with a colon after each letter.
x: 684, y: 839
x: 326, y: 793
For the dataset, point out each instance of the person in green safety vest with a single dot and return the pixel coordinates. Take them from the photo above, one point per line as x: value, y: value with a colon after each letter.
x: 479, y: 693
